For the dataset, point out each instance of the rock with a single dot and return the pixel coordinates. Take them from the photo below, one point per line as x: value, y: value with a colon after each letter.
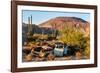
x: 78, y: 55
x: 28, y: 57
x: 50, y: 57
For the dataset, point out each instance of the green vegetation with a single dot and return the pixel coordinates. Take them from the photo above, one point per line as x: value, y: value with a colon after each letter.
x: 87, y: 47
x: 75, y: 37
x: 71, y: 36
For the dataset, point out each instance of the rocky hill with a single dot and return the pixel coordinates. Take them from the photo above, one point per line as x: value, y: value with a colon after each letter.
x: 63, y: 22
x: 57, y: 23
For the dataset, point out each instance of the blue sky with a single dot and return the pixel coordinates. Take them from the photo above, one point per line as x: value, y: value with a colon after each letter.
x: 42, y: 16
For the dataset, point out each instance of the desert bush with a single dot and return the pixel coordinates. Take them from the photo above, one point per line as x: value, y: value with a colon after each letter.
x: 74, y: 36
x: 86, y: 50
x: 71, y: 36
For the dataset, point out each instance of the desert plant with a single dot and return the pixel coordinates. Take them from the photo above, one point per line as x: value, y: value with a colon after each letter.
x: 73, y: 36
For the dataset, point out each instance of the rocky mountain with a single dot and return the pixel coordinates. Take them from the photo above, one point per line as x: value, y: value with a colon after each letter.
x: 63, y: 22
x: 57, y: 23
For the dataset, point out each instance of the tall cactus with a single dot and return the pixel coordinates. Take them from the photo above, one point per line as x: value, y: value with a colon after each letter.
x: 30, y: 24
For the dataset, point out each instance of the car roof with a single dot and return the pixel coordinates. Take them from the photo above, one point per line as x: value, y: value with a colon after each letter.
x: 38, y: 49
x: 59, y: 43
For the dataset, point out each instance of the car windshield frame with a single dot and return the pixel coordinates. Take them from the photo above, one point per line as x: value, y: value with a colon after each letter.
x: 59, y: 46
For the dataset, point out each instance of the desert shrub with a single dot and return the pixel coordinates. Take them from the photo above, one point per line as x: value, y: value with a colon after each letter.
x: 86, y: 50
x: 30, y: 39
x: 73, y: 36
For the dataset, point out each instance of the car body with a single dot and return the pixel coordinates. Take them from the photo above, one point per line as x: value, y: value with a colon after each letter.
x: 42, y: 51
x: 26, y: 50
x: 60, y: 49
x: 38, y: 51
x: 47, y: 47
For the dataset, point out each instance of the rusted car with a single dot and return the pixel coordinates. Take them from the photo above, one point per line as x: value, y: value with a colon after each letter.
x: 42, y: 52
x: 60, y: 49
